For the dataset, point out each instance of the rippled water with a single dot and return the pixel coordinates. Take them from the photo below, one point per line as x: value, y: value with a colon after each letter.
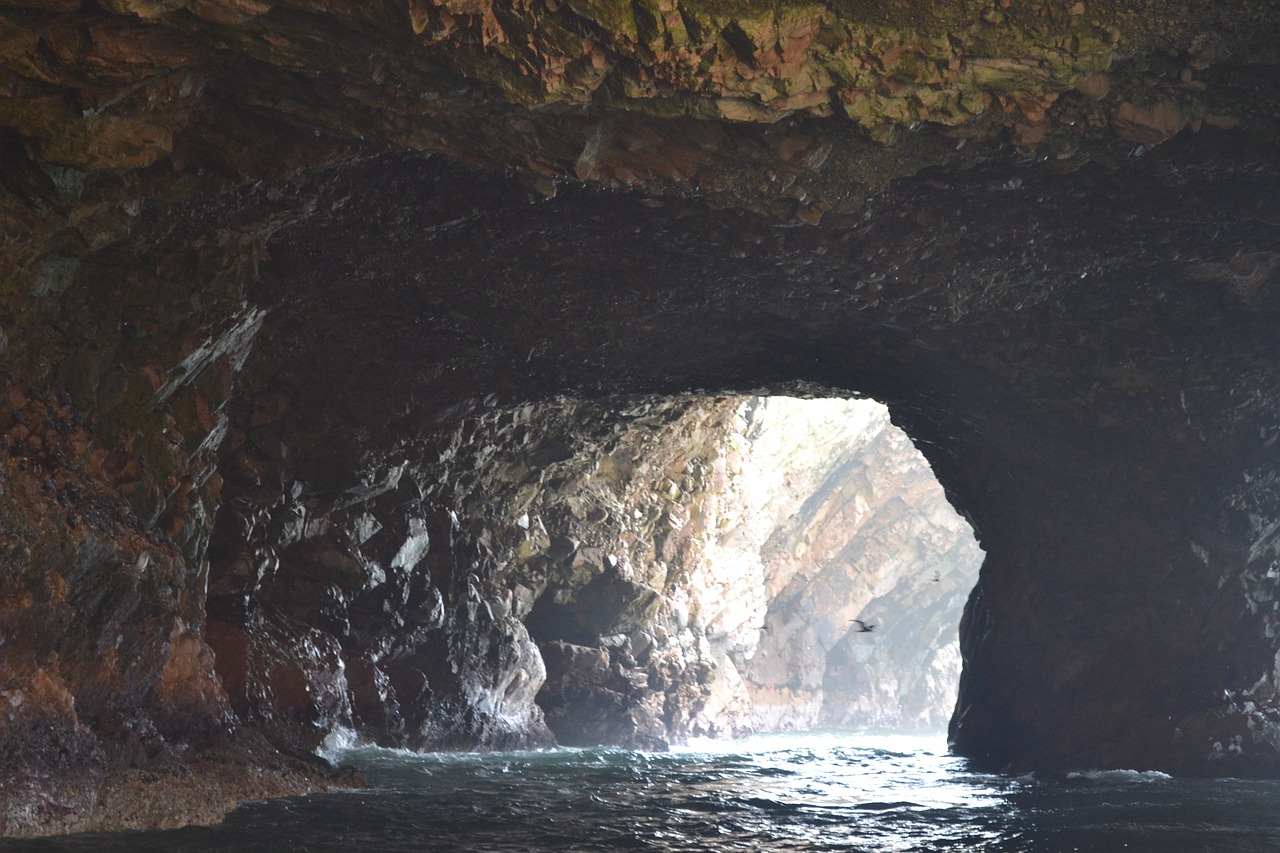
x: 779, y: 793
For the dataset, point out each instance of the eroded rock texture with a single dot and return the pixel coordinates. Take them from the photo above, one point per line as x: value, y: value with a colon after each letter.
x: 628, y: 572
x: 854, y: 526
x: 262, y: 336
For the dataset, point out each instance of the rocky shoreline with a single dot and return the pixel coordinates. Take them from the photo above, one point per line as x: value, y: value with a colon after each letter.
x: 196, y: 786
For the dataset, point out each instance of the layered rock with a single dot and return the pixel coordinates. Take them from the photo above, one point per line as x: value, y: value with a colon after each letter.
x: 690, y: 97
x: 853, y: 526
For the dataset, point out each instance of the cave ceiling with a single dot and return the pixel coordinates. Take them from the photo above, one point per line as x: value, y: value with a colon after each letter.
x: 800, y: 162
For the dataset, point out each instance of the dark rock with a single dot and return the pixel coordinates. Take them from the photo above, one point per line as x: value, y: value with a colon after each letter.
x: 561, y: 548
x: 588, y: 703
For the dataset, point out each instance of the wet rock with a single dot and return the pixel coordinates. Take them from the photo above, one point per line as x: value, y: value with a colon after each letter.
x: 588, y: 701
x: 287, y: 678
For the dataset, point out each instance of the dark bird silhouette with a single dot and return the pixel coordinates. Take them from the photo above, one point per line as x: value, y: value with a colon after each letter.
x: 863, y: 627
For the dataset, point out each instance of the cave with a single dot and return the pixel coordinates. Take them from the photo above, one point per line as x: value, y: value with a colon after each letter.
x: 322, y: 327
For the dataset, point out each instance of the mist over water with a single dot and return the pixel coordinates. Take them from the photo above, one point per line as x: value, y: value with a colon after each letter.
x: 793, y: 792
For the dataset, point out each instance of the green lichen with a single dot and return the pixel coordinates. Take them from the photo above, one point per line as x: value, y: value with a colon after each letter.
x: 761, y: 63
x: 613, y: 16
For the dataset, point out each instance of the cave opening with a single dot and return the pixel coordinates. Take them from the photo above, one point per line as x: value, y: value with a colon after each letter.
x: 339, y: 348
x: 633, y: 572
x: 754, y: 565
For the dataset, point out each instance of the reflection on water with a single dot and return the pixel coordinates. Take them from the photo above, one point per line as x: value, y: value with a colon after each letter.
x: 812, y: 792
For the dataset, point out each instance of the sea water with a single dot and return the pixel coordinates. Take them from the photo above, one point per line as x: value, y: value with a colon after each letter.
x: 792, y: 792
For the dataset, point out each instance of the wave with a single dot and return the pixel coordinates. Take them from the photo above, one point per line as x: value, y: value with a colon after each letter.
x: 1120, y: 775
x: 893, y: 743
x: 337, y: 742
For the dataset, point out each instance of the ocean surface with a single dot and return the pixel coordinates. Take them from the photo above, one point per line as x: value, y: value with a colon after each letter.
x: 795, y: 792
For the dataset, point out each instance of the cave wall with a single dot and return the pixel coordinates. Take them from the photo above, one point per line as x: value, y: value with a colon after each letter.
x: 414, y: 590
x: 117, y: 379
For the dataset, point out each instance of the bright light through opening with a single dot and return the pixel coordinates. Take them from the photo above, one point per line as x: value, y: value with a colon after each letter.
x: 852, y: 571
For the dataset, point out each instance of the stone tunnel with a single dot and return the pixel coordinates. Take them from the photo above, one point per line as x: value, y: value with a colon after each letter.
x: 348, y: 352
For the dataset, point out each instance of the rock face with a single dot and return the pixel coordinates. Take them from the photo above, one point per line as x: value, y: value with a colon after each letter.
x: 775, y: 524
x: 624, y: 579
x: 304, y: 422
x: 861, y: 531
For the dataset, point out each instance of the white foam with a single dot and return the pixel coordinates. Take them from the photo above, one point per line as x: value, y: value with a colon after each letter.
x: 818, y: 742
x: 1120, y: 775
x: 339, y: 740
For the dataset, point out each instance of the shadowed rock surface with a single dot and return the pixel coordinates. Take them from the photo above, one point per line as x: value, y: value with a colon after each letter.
x: 282, y: 376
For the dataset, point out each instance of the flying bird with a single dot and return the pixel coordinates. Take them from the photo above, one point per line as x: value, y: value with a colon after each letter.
x: 863, y: 627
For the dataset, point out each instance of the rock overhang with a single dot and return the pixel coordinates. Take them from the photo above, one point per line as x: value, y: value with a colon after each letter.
x: 685, y: 96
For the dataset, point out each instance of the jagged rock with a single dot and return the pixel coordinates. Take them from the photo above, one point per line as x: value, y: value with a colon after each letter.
x: 588, y: 701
